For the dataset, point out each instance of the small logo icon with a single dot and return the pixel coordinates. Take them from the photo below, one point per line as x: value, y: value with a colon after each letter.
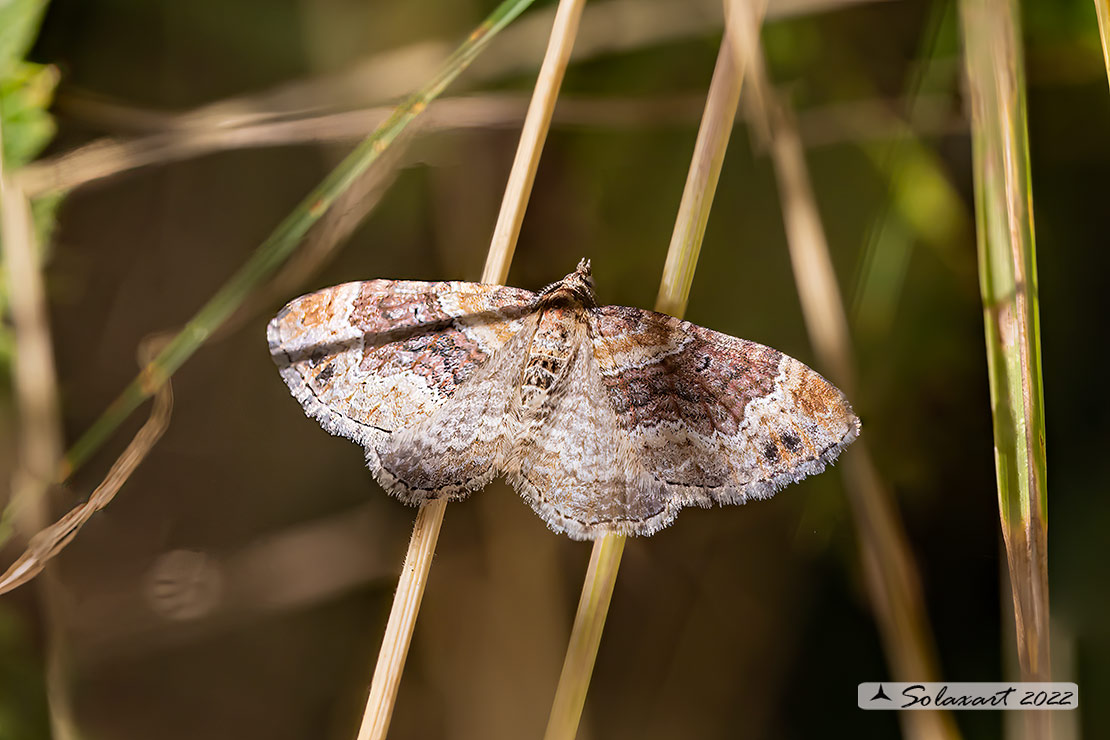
x: 880, y: 694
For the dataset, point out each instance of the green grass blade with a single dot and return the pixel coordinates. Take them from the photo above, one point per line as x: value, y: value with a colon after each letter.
x: 1008, y: 281
x: 284, y: 239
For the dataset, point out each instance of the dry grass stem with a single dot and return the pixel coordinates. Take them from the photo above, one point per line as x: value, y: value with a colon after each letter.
x: 402, y: 620
x: 536, y: 125
x: 891, y: 574
x: 385, y: 76
x: 429, y: 519
x: 589, y: 623
x: 674, y: 291
x: 51, y: 540
x: 822, y: 304
x: 304, y: 111
x: 894, y: 589
x: 701, y: 182
x: 184, y: 139
x: 34, y: 375
x: 744, y: 22
x: 40, y: 429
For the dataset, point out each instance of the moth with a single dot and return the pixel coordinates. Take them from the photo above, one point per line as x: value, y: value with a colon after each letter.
x: 604, y: 418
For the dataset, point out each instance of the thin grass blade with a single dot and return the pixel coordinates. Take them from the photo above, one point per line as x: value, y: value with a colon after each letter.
x: 1008, y: 282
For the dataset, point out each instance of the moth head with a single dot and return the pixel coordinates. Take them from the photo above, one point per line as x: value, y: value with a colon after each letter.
x: 576, y: 287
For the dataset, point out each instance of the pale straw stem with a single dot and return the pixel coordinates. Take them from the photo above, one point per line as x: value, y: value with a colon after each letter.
x: 402, y: 619
x: 429, y: 519
x: 36, y: 391
x: 701, y: 183
x: 890, y: 571
x: 589, y: 622
x: 536, y: 124
x: 674, y: 290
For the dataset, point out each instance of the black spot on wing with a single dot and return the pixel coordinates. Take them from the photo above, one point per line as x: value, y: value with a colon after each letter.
x: 771, y: 452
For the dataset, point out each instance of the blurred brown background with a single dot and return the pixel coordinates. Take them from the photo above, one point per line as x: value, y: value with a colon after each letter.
x: 239, y: 584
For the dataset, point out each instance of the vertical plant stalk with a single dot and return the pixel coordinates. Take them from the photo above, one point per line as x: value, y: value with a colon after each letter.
x: 429, y: 519
x: 818, y: 292
x: 589, y: 622
x: 701, y: 182
x: 40, y: 445
x: 1008, y: 282
x: 1102, y: 10
x: 402, y: 619
x: 674, y: 292
x: 532, y: 136
x: 34, y: 375
x: 891, y: 574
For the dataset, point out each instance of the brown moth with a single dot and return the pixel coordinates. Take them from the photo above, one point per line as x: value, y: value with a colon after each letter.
x: 604, y: 418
